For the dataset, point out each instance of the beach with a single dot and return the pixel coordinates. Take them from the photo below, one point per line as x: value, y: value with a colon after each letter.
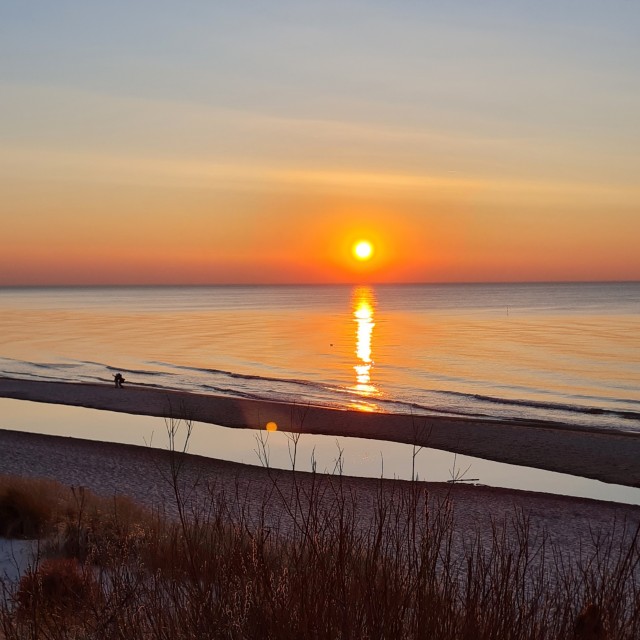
x: 605, y: 455
x: 334, y: 311
x: 143, y: 474
x: 572, y: 525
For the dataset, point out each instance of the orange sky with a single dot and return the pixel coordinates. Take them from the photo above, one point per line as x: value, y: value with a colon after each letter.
x: 495, y: 148
x: 83, y: 232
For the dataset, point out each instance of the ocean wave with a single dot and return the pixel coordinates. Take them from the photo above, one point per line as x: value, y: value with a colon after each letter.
x: 436, y: 394
x: 472, y: 402
x: 141, y: 372
x: 244, y: 376
x: 558, y: 406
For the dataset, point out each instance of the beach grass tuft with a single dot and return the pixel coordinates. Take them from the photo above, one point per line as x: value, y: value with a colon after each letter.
x: 26, y: 506
x: 56, y: 589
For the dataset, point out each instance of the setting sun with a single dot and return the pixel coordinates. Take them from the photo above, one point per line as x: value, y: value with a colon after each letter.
x: 363, y: 250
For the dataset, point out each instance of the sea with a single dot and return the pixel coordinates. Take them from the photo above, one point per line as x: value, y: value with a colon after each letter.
x: 562, y: 353
x: 566, y: 353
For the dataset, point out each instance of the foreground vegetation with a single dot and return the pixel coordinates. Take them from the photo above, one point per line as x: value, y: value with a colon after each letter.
x: 110, y: 569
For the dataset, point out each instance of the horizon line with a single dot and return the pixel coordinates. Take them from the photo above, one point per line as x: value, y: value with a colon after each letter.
x: 310, y: 284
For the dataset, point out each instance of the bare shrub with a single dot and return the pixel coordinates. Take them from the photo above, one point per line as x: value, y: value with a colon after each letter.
x: 57, y: 587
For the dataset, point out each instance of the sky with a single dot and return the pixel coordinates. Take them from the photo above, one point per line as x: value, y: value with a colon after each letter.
x: 201, y: 142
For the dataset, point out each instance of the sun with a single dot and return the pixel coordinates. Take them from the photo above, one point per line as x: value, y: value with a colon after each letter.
x: 363, y: 250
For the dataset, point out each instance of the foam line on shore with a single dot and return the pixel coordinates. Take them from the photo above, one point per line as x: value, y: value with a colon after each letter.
x: 598, y: 454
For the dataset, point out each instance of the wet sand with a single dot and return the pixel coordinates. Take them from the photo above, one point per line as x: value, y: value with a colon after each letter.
x: 608, y: 456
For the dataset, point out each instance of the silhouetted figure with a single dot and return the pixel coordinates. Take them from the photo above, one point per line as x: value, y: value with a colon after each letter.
x: 118, y: 379
x: 589, y: 624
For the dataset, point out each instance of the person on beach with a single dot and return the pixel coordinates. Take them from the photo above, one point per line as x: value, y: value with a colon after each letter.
x: 118, y: 379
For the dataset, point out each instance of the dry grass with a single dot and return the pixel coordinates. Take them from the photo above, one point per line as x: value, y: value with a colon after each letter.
x: 56, y: 588
x: 27, y: 506
x: 216, y: 572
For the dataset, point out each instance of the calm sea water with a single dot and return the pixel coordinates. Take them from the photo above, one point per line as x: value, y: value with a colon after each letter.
x: 566, y: 353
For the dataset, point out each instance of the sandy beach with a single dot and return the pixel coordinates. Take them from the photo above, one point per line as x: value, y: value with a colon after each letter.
x: 142, y: 473
x: 591, y: 453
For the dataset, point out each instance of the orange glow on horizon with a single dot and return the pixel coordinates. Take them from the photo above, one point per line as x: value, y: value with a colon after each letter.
x: 438, y: 241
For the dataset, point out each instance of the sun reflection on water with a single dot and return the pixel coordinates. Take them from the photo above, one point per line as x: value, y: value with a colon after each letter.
x: 363, y: 304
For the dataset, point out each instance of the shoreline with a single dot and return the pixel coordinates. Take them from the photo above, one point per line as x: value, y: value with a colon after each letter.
x: 607, y: 456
